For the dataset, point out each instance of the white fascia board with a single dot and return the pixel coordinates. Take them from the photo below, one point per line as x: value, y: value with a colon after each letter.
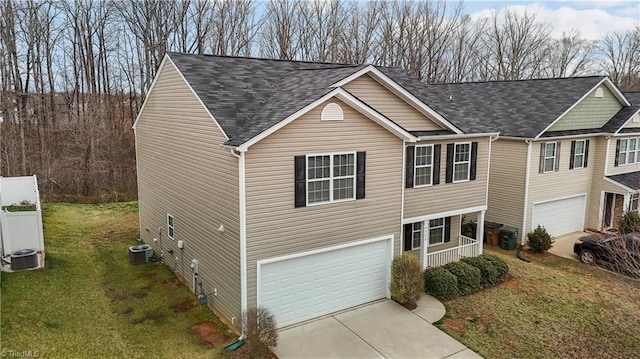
x: 626, y: 122
x: 345, y: 97
x: 401, y: 92
x: 153, y: 85
x: 444, y: 214
x: 628, y: 189
x: 607, y: 82
x: 459, y: 136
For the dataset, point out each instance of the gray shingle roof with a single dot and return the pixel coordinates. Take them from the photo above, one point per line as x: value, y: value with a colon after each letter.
x: 620, y: 118
x: 631, y: 180
x: 247, y: 96
x: 633, y: 97
x: 521, y: 108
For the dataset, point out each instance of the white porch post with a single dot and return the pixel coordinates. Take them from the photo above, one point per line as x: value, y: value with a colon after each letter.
x: 480, y: 231
x: 425, y: 243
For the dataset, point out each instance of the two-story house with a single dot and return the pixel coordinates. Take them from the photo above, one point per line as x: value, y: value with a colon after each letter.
x: 292, y: 185
x: 568, y: 154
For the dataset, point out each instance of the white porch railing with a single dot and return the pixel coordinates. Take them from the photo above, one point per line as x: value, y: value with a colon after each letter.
x: 467, y: 247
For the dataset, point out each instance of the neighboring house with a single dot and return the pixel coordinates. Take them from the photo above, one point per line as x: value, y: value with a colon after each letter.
x: 291, y: 185
x: 568, y: 155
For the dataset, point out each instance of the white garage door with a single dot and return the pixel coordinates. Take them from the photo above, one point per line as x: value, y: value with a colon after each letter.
x: 311, y: 285
x: 561, y: 216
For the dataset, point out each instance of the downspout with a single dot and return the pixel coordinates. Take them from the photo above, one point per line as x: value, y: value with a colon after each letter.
x: 243, y: 228
x: 526, y: 191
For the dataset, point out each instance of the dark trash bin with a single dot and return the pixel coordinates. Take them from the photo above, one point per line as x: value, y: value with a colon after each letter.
x: 492, y: 233
x: 508, y: 237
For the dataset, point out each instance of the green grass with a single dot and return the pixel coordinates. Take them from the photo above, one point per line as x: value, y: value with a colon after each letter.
x: 550, y: 308
x: 89, y: 302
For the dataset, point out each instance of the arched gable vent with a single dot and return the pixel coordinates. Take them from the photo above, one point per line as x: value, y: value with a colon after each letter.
x: 599, y: 92
x: 332, y: 112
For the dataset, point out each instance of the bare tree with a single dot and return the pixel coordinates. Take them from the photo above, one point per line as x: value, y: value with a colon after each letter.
x: 620, y: 53
x: 569, y: 56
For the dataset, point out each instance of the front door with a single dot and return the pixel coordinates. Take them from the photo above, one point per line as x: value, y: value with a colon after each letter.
x: 608, y: 211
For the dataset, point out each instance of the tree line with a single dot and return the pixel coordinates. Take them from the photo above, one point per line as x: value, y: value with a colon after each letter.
x: 74, y: 74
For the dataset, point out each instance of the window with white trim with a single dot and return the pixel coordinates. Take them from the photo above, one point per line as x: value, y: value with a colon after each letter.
x: 436, y: 231
x: 416, y: 235
x: 330, y: 178
x: 461, y: 162
x: 423, y: 165
x: 170, y: 226
x: 579, y: 154
x: 632, y: 147
x: 633, y: 204
x: 550, y: 156
x: 622, y: 153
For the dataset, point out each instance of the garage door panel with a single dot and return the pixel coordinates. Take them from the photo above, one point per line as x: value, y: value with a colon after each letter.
x: 560, y: 216
x: 309, y: 286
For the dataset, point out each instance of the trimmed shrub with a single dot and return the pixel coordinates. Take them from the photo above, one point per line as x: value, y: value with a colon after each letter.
x: 540, y: 240
x: 499, y: 264
x: 260, y: 332
x: 629, y: 222
x: 488, y: 271
x: 440, y: 283
x: 406, y: 279
x: 469, y: 277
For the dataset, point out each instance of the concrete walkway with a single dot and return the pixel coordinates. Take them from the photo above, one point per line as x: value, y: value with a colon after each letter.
x: 563, y: 245
x: 380, y: 330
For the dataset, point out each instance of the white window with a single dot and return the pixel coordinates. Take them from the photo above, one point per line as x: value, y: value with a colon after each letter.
x: 461, y: 162
x: 330, y: 178
x: 436, y: 231
x: 579, y: 154
x: 550, y: 156
x: 416, y: 235
x: 631, y: 150
x: 170, y: 226
x: 424, y: 165
x: 633, y: 205
x: 622, y: 155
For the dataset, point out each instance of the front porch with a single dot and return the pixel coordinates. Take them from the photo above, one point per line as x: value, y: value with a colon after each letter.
x: 444, y: 239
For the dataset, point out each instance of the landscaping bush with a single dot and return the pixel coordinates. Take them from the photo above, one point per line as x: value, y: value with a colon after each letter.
x: 629, y: 222
x: 540, y: 240
x: 469, y: 277
x: 500, y: 265
x: 488, y: 271
x: 406, y: 280
x: 259, y: 330
x: 440, y: 283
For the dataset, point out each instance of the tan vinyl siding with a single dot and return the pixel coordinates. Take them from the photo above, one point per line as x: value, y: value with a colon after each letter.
x: 600, y: 184
x: 507, y: 182
x: 563, y: 183
x: 444, y: 197
x: 611, y: 165
x: 182, y: 170
x: 633, y: 124
x: 275, y: 228
x: 591, y: 112
x: 379, y: 97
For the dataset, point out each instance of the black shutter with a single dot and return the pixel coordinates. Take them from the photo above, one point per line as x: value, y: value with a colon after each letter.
x: 617, y: 153
x: 436, y: 164
x: 586, y: 153
x: 474, y: 160
x: 408, y: 180
x: 300, y: 181
x: 447, y: 229
x: 557, y: 156
x: 408, y: 236
x: 573, y: 153
x: 449, y: 172
x: 360, y: 179
x: 541, y: 169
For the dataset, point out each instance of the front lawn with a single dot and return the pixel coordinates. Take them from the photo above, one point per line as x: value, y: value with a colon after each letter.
x: 550, y: 308
x: 90, y: 303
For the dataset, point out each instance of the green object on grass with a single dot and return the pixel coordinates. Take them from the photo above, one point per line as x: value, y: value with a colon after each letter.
x: 235, y: 345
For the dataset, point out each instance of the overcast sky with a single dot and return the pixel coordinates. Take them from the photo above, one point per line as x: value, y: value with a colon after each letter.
x: 591, y: 18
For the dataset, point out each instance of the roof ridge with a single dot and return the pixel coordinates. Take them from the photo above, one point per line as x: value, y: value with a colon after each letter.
x: 261, y: 59
x: 519, y: 80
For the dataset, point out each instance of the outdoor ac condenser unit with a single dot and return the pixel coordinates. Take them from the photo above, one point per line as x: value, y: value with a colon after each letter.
x: 24, y: 259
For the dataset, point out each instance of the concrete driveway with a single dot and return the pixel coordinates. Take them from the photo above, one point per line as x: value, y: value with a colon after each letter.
x: 380, y: 330
x: 563, y: 245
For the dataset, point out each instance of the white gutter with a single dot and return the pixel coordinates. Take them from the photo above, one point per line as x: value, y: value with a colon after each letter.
x: 526, y: 192
x: 243, y: 229
x: 456, y: 136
